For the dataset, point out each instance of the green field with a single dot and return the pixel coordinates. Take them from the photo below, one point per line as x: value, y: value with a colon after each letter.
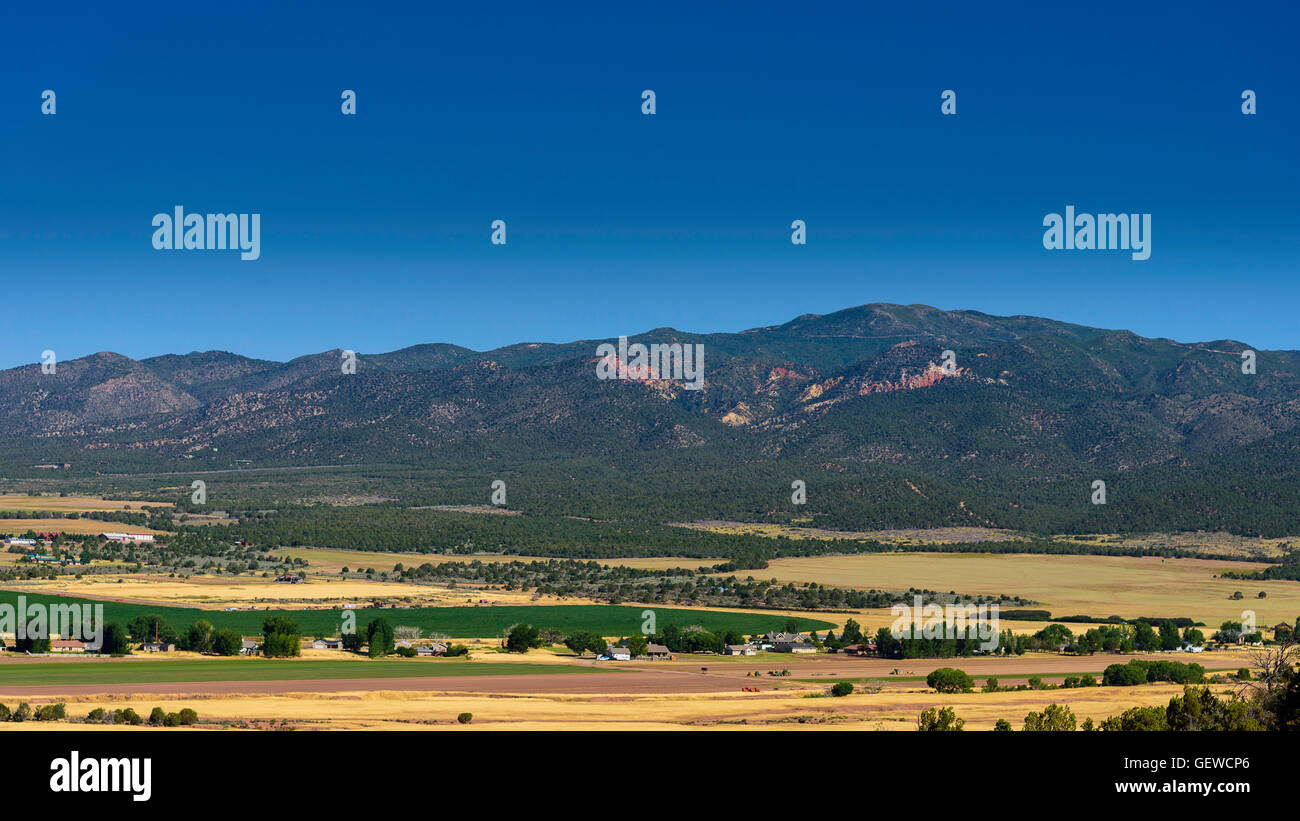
x: 457, y: 622
x: 255, y: 669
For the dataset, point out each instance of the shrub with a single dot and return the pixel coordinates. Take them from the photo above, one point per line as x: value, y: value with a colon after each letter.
x: 1003, y: 726
x: 96, y: 715
x: 51, y: 712
x: 990, y: 685
x: 171, y: 720
x: 157, y: 716
x: 188, y: 716
x: 465, y: 718
x: 407, y: 652
x: 5, y: 715
x: 841, y: 688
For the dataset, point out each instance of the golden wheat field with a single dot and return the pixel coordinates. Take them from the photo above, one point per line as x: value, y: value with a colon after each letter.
x: 1066, y: 585
x: 69, y: 504
x: 214, y: 592
x: 791, y: 709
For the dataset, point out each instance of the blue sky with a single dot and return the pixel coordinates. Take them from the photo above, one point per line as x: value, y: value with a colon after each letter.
x: 375, y: 228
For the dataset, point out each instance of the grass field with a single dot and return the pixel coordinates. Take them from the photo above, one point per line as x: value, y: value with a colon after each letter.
x: 116, y: 672
x: 458, y: 622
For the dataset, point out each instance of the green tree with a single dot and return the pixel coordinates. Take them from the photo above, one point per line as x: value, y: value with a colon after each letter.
x: 1169, y: 638
x: 227, y: 643
x: 852, y: 632
x: 380, y: 637
x: 582, y: 641
x: 1197, y: 709
x: 522, y: 638
x: 199, y: 637
x: 950, y: 680
x: 939, y: 719
x: 1055, y: 718
x: 281, y: 637
x: 637, y: 645
x: 150, y: 627
x: 114, y: 640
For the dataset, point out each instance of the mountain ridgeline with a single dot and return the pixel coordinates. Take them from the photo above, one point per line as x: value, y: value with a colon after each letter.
x: 859, y: 404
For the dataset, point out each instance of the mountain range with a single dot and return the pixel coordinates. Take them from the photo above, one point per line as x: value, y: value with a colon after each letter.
x: 1018, y: 400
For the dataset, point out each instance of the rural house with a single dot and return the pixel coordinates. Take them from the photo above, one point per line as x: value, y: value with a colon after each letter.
x: 618, y: 653
x: 783, y: 642
x: 157, y: 647
x: 740, y: 650
x: 657, y: 651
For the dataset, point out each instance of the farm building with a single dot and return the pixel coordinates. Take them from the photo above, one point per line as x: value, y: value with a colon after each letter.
x: 858, y: 649
x: 618, y: 653
x: 740, y: 650
x: 327, y: 644
x: 27, y: 542
x: 67, y: 646
x: 127, y: 537
x: 248, y: 647
x: 157, y: 647
x: 658, y: 651
x: 783, y: 642
x: 435, y: 649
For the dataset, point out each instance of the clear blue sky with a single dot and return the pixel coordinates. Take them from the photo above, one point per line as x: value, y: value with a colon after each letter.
x: 375, y: 228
